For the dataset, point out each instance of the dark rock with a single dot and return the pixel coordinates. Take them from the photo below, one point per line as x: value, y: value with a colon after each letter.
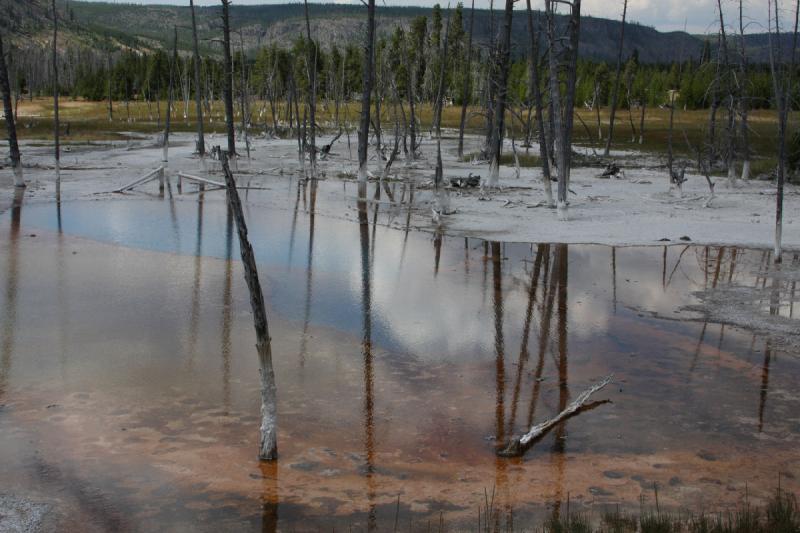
x: 305, y: 466
x: 597, y: 491
x: 707, y: 456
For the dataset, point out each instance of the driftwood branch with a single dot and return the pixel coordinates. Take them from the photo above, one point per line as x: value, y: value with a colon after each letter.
x: 518, y: 445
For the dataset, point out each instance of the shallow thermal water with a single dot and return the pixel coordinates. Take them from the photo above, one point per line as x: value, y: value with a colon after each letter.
x: 129, y: 386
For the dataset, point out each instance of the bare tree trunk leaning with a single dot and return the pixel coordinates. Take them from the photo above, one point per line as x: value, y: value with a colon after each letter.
x: 268, y: 443
x: 201, y: 145
x: 366, y: 94
x: 615, y: 93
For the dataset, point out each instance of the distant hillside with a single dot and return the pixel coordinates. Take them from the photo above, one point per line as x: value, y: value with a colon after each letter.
x: 138, y: 26
x: 334, y: 23
x: 28, y: 23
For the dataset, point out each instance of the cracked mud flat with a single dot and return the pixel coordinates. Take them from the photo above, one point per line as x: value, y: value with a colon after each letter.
x: 129, y: 389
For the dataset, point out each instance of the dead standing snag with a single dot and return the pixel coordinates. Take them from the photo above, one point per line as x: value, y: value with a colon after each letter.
x: 201, y: 147
x: 5, y: 87
x: 228, y: 84
x: 268, y: 446
x: 617, y: 75
x: 366, y: 95
x: 563, y: 57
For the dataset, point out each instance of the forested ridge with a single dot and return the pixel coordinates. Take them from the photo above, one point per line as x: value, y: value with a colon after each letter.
x: 121, y: 49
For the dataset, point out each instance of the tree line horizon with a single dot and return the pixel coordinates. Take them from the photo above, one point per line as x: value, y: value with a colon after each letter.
x: 267, y: 71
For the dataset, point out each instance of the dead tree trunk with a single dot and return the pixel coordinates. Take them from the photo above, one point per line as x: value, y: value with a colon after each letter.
x: 56, y: 125
x: 17, y: 90
x: 726, y: 75
x: 714, y: 91
x: 201, y: 146
x: 312, y: 95
x: 170, y: 93
x: 272, y: 91
x: 439, y: 173
x: 563, y: 56
x: 11, y: 126
x: 110, y: 101
x: 596, y: 105
x: 544, y: 155
x: 641, y: 119
x: 615, y: 93
x: 366, y: 94
x: 504, y: 56
x: 228, y: 83
x: 491, y: 70
x: 243, y: 96
x: 412, y: 109
x: 268, y: 445
x: 744, y: 104
x: 782, y: 82
x: 466, y: 90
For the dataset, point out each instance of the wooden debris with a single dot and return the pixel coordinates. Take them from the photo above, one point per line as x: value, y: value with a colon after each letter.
x: 612, y: 171
x: 470, y: 182
x: 150, y: 176
x: 204, y: 181
x: 518, y: 445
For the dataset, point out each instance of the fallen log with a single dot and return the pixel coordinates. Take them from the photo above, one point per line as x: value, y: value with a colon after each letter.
x: 205, y: 181
x: 518, y: 445
x: 150, y: 176
x: 218, y: 184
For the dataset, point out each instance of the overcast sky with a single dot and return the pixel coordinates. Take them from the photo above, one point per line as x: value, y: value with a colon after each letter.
x: 698, y: 16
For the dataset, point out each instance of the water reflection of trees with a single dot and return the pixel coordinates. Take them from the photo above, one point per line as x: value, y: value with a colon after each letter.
x: 366, y: 351
x: 269, y: 496
x: 194, y: 312
x: 227, y: 305
x: 547, y: 299
x: 311, y: 185
x: 9, y: 326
